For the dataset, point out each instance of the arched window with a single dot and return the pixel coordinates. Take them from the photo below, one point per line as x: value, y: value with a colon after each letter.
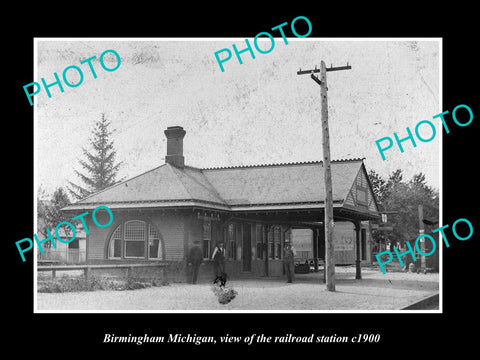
x: 135, y: 239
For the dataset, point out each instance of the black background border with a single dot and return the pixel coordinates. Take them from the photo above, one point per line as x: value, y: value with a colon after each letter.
x: 83, y: 333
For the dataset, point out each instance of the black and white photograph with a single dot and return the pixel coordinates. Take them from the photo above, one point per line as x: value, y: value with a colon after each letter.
x: 220, y: 175
x: 221, y: 180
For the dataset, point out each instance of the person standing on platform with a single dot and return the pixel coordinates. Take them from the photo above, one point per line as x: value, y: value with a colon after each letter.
x: 218, y: 258
x: 289, y: 261
x: 195, y: 257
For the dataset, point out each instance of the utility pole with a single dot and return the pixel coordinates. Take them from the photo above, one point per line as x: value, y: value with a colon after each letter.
x: 421, y: 231
x: 327, y: 171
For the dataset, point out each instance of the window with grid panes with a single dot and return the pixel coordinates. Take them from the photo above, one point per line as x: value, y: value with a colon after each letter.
x: 115, y: 248
x: 207, y: 237
x: 277, y: 239
x: 135, y: 239
x: 271, y: 244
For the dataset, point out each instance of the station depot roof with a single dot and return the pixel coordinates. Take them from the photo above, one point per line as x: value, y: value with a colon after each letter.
x: 241, y: 188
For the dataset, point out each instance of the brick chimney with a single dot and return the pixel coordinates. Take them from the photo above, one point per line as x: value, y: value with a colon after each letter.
x: 175, y: 136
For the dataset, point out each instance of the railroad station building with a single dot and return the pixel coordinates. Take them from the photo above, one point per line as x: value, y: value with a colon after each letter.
x: 252, y: 209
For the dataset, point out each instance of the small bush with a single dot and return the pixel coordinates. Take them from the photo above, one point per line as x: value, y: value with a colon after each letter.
x: 74, y: 284
x: 59, y: 285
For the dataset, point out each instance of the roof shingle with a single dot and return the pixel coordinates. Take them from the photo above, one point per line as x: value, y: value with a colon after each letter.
x: 229, y: 187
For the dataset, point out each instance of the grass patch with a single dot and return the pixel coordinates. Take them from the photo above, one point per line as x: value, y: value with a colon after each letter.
x: 93, y: 283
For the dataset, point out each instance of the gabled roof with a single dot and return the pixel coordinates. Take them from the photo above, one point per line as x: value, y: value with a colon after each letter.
x: 282, y: 183
x: 229, y: 188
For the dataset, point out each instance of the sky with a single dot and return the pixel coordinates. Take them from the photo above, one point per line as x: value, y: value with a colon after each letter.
x: 258, y: 112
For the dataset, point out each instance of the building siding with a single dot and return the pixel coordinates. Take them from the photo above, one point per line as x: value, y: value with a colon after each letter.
x: 179, y: 230
x: 350, y: 198
x: 361, y: 182
x: 172, y: 229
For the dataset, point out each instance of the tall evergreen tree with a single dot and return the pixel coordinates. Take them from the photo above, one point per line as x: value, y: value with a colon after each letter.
x: 100, y: 166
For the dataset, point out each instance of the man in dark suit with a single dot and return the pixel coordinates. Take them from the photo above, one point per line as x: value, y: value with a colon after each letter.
x: 289, y: 261
x: 195, y: 257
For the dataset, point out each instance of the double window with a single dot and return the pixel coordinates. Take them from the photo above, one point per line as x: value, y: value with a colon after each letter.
x: 135, y: 239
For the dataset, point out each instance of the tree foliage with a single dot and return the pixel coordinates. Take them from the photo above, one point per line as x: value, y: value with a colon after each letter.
x: 402, y: 198
x: 379, y: 186
x: 48, y: 211
x: 100, y: 167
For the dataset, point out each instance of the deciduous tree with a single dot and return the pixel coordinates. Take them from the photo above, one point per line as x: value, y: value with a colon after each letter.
x: 48, y: 211
x: 402, y: 198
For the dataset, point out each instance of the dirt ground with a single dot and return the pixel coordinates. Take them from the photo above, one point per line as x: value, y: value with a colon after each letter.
x: 375, y: 291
